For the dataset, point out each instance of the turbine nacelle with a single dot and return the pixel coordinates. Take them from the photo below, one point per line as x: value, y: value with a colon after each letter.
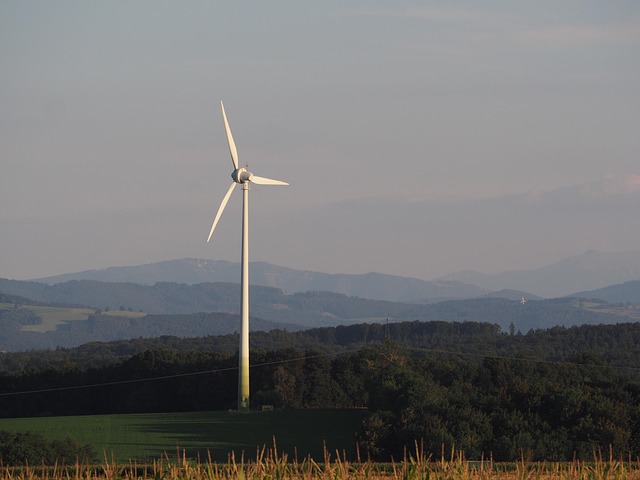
x: 241, y: 175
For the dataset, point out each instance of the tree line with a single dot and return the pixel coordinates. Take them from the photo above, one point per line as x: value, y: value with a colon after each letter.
x: 614, y: 345
x: 437, y: 383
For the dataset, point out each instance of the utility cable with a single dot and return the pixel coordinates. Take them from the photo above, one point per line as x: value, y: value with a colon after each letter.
x: 176, y: 375
x: 311, y: 357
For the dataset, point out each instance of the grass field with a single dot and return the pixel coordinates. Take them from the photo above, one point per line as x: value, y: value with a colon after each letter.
x: 54, y: 316
x: 145, y: 436
x: 141, y: 439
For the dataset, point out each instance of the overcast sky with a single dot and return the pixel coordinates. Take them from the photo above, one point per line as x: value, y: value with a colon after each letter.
x: 419, y: 138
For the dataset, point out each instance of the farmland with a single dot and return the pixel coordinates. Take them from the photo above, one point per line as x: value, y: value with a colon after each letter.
x: 270, y: 463
x: 309, y: 444
x: 51, y: 317
x: 146, y: 436
x: 452, y: 384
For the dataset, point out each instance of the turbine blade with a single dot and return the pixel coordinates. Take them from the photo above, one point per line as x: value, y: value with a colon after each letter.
x: 221, y: 209
x: 265, y: 181
x: 232, y: 144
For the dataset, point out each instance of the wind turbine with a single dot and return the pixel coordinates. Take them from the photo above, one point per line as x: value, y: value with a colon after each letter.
x: 242, y: 176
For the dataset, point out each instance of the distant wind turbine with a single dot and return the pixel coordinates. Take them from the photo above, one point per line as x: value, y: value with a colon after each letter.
x: 242, y: 176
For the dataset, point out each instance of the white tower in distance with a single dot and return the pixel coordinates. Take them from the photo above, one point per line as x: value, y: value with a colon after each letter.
x: 242, y: 176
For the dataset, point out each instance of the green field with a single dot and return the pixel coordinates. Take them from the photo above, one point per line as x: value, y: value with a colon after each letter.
x: 145, y: 436
x: 53, y: 316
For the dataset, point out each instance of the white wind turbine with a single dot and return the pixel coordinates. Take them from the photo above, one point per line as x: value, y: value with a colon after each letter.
x: 242, y: 176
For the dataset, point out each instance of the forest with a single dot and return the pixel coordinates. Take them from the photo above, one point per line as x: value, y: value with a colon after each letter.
x: 547, y: 394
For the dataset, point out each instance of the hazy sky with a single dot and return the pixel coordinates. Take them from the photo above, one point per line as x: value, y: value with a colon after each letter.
x: 419, y: 138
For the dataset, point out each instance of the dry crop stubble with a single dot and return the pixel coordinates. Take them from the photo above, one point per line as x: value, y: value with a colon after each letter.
x: 270, y: 464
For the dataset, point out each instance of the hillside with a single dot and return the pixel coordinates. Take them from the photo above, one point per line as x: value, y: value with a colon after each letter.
x: 614, y: 345
x: 376, y: 286
x: 628, y: 292
x: 588, y: 271
x: 489, y: 393
x: 18, y: 332
x: 211, y: 309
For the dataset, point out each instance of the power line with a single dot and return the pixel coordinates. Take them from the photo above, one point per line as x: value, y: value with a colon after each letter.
x: 166, y: 377
x: 320, y: 355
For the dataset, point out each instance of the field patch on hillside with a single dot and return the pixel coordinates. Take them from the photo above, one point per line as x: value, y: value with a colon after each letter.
x: 52, y: 317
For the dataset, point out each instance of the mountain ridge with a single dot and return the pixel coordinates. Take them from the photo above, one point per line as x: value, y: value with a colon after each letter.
x: 372, y: 285
x: 627, y: 292
x: 201, y: 309
x: 588, y: 271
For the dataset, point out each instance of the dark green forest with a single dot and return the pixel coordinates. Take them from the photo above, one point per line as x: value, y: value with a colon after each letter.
x: 547, y: 394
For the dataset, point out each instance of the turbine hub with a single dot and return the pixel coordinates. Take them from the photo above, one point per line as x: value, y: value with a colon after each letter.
x: 241, y: 175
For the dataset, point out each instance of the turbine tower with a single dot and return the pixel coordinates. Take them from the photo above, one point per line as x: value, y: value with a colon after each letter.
x: 242, y: 176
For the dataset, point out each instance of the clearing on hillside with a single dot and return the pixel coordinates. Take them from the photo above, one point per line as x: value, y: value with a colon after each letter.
x: 53, y: 316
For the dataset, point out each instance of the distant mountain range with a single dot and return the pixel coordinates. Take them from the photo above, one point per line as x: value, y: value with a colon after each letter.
x: 193, y: 297
x: 586, y: 272
x: 190, y: 271
x: 628, y: 292
x: 211, y: 308
x: 589, y: 271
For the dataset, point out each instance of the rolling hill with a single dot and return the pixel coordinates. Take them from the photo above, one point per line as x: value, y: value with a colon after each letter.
x: 195, y: 308
x: 588, y: 271
x: 628, y: 292
x: 376, y: 286
x: 211, y: 308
